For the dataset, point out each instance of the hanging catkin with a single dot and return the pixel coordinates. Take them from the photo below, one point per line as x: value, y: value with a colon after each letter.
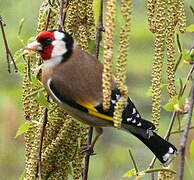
x: 164, y: 18
x: 121, y: 66
x: 108, y: 51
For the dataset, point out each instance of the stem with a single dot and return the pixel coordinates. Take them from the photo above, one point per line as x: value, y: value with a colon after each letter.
x: 87, y: 158
x: 185, y: 135
x: 192, y: 10
x: 43, y: 128
x: 61, y: 16
x: 180, y: 131
x: 133, y: 161
x: 100, y: 29
x: 159, y: 169
x: 8, y: 52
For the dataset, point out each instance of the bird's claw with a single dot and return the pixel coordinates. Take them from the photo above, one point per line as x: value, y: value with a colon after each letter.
x: 88, y: 150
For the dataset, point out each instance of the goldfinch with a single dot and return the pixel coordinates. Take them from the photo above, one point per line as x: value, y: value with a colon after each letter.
x: 73, y: 78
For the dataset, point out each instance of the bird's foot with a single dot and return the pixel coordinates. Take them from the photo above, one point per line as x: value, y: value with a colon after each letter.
x: 88, y: 150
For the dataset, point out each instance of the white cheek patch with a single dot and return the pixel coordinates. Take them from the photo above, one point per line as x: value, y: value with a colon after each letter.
x: 58, y: 35
x: 53, y: 61
x: 59, y: 48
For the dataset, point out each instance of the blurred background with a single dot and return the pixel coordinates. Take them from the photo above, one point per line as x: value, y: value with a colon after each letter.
x: 112, y: 159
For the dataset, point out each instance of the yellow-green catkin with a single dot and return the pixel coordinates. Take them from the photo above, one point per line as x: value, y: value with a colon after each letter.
x: 164, y: 19
x: 63, y: 136
x: 80, y: 22
x: 166, y: 175
x: 157, y: 25
x: 108, y: 51
x: 121, y: 66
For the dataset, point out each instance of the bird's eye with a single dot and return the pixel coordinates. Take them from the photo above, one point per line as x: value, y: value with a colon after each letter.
x: 48, y: 40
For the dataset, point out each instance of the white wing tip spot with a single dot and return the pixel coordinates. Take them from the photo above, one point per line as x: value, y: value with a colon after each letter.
x: 134, y: 111
x: 113, y: 101
x: 171, y: 150
x: 139, y: 124
x: 134, y: 121
x: 166, y: 157
x: 129, y: 119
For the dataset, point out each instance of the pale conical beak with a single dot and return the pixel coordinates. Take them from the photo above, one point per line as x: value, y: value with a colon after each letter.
x: 35, y: 46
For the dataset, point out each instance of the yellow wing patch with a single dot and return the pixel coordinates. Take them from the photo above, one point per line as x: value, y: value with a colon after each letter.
x: 94, y: 112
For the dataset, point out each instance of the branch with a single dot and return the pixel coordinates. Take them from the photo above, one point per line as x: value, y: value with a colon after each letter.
x: 87, y: 158
x: 180, y: 131
x: 89, y: 138
x: 100, y: 29
x: 8, y: 52
x: 61, y: 16
x: 133, y: 161
x: 185, y: 135
x: 43, y: 128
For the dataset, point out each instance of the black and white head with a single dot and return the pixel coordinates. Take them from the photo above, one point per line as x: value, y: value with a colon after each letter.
x: 54, y: 46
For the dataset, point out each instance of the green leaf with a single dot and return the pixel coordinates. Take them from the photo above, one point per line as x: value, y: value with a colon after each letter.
x: 186, y: 54
x: 191, y: 149
x: 42, y: 100
x: 170, y: 105
x: 23, y: 128
x: 23, y: 175
x: 190, y: 28
x: 174, y: 104
x: 130, y: 173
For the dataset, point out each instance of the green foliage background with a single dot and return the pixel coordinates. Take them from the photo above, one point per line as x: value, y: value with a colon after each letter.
x: 112, y: 159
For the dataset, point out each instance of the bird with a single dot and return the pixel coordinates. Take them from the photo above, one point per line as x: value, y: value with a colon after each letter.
x: 73, y: 78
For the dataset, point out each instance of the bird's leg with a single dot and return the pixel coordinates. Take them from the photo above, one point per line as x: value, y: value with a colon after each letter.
x: 89, y: 149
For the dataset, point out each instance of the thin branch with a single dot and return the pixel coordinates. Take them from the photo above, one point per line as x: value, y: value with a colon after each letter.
x: 89, y: 138
x: 133, y: 161
x: 87, y: 157
x: 100, y: 29
x: 42, y: 133
x: 159, y: 169
x: 185, y: 135
x: 48, y: 19
x: 8, y: 52
x: 61, y: 16
x: 180, y: 131
x: 192, y: 10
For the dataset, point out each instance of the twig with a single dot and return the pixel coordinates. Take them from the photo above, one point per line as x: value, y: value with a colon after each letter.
x: 100, y: 29
x: 42, y: 132
x: 180, y: 131
x: 89, y: 138
x: 192, y: 10
x: 49, y: 1
x: 159, y: 169
x: 133, y: 161
x: 185, y: 135
x: 8, y: 52
x: 180, y: 51
x: 61, y: 16
x: 48, y: 19
x: 87, y: 157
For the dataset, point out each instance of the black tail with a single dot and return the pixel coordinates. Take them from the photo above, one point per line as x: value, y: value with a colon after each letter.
x: 160, y: 147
